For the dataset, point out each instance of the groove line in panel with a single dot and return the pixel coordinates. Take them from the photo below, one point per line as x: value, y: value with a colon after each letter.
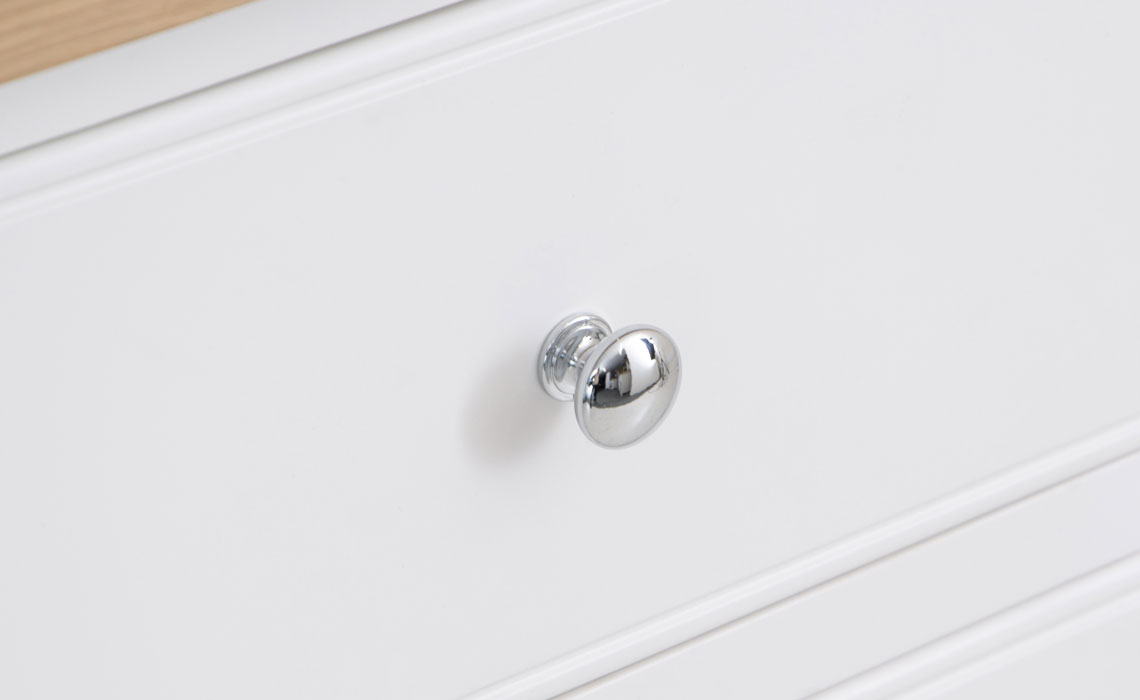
x: 769, y: 588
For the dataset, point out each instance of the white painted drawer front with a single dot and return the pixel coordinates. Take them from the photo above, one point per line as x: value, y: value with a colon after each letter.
x: 1092, y: 656
x: 932, y: 617
x: 268, y: 416
x: 188, y: 57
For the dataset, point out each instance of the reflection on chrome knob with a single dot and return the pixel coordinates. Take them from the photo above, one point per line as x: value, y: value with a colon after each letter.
x: 622, y: 383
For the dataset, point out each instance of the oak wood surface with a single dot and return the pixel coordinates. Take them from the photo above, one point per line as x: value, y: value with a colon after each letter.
x: 38, y: 34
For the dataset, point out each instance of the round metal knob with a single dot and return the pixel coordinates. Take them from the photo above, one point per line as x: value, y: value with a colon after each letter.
x: 622, y: 384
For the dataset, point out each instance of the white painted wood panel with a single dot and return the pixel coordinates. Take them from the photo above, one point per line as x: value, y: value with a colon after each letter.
x: 268, y: 417
x: 1092, y: 656
x: 1100, y: 596
x: 282, y: 96
x: 183, y: 59
x: 854, y: 623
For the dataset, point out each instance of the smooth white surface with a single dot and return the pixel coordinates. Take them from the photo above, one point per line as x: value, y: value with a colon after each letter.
x: 242, y: 455
x: 995, y: 640
x: 280, y: 97
x: 1092, y: 656
x: 182, y: 59
x: 783, y: 582
x: 870, y: 616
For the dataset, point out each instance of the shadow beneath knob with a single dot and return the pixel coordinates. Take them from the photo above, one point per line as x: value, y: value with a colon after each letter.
x: 509, y: 415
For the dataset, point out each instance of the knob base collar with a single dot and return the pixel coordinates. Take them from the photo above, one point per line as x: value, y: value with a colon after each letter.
x: 564, y: 352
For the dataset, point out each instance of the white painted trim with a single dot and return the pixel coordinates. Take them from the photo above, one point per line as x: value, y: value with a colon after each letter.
x: 182, y: 59
x: 288, y: 95
x: 1092, y: 590
x: 770, y: 587
x: 955, y: 659
x: 871, y: 617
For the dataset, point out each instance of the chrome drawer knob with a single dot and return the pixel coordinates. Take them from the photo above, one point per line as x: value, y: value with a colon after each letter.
x: 622, y: 383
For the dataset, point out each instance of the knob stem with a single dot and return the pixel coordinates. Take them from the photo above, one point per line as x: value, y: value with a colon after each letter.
x: 565, y: 350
